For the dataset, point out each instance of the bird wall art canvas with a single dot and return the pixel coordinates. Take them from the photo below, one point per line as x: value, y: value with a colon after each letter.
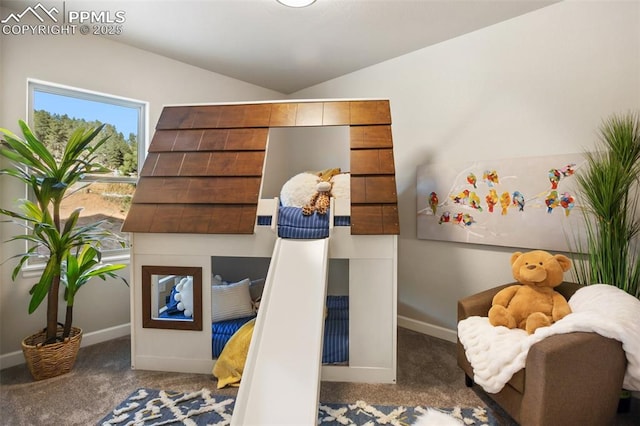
x: 526, y: 202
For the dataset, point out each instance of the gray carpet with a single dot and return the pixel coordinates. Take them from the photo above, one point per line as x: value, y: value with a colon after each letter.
x: 102, y: 378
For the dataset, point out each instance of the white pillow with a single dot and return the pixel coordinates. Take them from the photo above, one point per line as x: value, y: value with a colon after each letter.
x: 231, y: 301
x: 341, y: 188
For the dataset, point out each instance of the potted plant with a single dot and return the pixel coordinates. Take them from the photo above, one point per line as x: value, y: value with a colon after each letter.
x: 71, y: 249
x: 608, y: 191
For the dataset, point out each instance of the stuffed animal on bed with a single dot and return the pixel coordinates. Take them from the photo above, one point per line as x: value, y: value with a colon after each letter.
x: 320, y: 201
x: 300, y: 189
x: 184, y: 296
x: 533, y: 303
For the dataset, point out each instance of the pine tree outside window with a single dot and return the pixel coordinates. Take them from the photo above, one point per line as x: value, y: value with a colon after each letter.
x: 55, y: 111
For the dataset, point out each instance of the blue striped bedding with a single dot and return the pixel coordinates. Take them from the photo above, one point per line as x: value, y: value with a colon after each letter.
x: 222, y: 331
x: 337, y: 221
x: 293, y: 224
x: 336, y: 332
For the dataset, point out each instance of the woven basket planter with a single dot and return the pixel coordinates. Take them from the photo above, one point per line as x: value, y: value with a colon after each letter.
x: 46, y: 361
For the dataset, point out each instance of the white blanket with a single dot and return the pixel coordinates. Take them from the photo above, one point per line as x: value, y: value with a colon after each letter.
x: 497, y: 353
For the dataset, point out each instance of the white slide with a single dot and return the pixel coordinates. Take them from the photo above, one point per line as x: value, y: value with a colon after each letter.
x: 281, y: 379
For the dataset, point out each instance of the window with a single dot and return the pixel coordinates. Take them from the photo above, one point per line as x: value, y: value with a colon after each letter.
x: 56, y: 111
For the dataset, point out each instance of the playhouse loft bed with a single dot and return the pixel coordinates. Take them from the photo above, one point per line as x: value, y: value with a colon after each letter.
x: 206, y: 209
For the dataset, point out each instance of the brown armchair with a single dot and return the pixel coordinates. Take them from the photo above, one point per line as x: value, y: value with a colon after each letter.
x: 568, y: 379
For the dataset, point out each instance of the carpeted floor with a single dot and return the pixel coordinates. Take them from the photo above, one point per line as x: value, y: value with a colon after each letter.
x: 102, y: 378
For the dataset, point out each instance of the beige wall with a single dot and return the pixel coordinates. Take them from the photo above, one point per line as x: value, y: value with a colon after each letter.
x: 536, y: 85
x: 101, y: 65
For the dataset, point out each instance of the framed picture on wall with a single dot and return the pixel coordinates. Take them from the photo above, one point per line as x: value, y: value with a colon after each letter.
x: 515, y: 202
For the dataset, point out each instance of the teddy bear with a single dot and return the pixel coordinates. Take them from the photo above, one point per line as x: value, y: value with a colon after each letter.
x: 533, y: 303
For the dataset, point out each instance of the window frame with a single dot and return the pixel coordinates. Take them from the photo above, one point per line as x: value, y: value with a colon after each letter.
x: 142, y: 138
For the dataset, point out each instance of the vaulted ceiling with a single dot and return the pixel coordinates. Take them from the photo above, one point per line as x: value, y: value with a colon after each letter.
x: 288, y: 49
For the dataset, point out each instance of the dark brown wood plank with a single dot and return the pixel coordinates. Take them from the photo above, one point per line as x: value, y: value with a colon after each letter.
x: 166, y: 219
x: 370, y: 112
x: 206, y: 116
x: 366, y: 219
x: 309, y: 114
x: 374, y: 219
x: 372, y: 161
x: 256, y: 115
x: 163, y: 140
x: 193, y: 219
x: 179, y: 117
x: 223, y: 163
x: 187, y: 140
x: 232, y: 116
x: 390, y: 219
x: 373, y: 189
x: 214, y: 140
x: 370, y: 137
x: 231, y: 219
x: 139, y: 218
x: 176, y: 140
x: 195, y: 164
x: 163, y: 190
x: 196, y: 219
x: 336, y: 114
x: 247, y: 139
x: 236, y: 163
x: 223, y: 190
x: 168, y: 164
x: 149, y: 164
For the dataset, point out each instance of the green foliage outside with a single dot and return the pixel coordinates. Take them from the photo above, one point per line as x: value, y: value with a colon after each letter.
x: 119, y: 154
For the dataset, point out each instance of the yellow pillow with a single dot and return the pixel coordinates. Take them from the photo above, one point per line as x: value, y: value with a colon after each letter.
x: 230, y: 365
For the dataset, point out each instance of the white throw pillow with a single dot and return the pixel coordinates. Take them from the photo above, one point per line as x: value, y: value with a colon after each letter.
x: 297, y: 191
x: 341, y: 188
x: 231, y: 301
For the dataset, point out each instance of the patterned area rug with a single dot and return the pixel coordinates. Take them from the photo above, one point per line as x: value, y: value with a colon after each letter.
x: 147, y: 407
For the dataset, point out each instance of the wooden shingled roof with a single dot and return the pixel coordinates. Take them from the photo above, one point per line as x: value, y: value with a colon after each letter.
x: 205, y: 163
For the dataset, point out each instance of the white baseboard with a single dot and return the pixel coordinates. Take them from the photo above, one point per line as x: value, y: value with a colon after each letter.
x: 428, y: 329
x: 16, y: 358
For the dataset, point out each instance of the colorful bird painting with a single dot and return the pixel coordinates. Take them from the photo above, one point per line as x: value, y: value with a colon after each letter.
x: 568, y: 170
x: 471, y: 178
x: 461, y: 198
x: 474, y: 201
x: 491, y: 178
x: 505, y: 202
x: 433, y: 202
x: 518, y: 200
x: 552, y: 201
x: 567, y: 202
x: 445, y: 218
x: 554, y: 178
x: 467, y: 219
x: 491, y: 199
